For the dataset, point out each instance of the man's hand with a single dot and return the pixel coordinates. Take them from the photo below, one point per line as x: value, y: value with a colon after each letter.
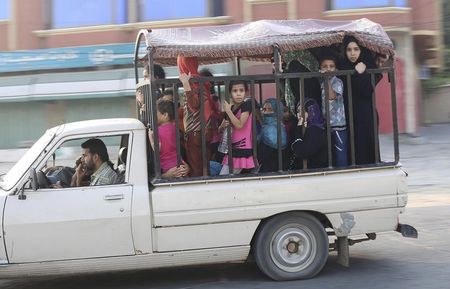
x: 80, y: 170
x: 78, y: 176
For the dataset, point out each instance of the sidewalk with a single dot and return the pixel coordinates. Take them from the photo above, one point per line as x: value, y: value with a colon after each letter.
x: 426, y: 158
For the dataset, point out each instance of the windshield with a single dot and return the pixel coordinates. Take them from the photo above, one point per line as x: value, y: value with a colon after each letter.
x: 8, y: 181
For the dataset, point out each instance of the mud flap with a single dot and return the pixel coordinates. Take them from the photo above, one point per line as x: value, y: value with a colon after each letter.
x: 343, y: 251
x: 407, y: 231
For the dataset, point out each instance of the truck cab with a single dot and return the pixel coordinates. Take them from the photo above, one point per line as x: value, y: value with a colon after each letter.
x: 52, y: 217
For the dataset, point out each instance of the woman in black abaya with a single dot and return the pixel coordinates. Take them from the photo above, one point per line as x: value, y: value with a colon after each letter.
x: 360, y: 59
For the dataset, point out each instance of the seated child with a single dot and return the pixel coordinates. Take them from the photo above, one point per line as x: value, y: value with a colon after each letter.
x: 167, y: 141
x: 268, y: 142
x: 311, y: 142
x: 269, y: 127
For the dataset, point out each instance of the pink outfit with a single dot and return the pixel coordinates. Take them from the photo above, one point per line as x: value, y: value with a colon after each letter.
x: 242, y: 141
x: 168, y: 149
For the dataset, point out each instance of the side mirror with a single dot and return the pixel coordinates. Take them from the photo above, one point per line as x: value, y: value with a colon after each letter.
x: 33, y: 179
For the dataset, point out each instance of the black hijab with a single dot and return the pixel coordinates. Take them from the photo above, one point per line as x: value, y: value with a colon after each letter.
x: 312, y: 85
x: 366, y: 56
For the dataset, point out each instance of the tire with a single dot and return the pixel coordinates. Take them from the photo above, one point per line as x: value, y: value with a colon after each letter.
x: 291, y: 246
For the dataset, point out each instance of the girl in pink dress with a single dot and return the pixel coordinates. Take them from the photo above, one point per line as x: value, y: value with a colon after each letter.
x: 167, y: 141
x: 239, y: 115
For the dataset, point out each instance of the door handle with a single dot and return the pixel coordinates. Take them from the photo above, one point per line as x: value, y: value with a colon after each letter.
x: 114, y: 197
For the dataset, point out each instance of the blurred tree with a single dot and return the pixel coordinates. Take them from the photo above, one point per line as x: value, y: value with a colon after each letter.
x: 446, y: 32
x: 446, y: 22
x: 442, y: 77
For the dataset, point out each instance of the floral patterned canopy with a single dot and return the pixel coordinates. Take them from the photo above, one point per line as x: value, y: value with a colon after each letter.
x: 255, y: 40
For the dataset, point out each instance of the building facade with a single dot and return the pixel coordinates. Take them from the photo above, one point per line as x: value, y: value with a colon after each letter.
x: 67, y: 60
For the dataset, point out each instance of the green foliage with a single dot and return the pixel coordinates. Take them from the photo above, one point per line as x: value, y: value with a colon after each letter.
x: 446, y: 64
x: 437, y: 80
x: 446, y: 22
x: 443, y: 77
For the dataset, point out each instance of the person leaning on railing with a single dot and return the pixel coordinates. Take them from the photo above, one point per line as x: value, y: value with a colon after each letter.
x: 216, y: 118
x: 358, y: 58
x: 159, y: 73
x: 188, y: 68
x: 239, y: 117
x: 338, y: 125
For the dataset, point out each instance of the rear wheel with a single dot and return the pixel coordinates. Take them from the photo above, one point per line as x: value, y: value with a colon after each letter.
x: 291, y: 246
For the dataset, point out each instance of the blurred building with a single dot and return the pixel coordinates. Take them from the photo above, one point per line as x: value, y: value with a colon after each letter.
x: 67, y: 60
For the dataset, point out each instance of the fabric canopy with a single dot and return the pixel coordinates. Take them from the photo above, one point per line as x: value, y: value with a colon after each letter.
x: 255, y: 40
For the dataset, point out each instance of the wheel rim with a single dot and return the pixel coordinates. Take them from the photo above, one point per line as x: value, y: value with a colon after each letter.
x: 293, y: 248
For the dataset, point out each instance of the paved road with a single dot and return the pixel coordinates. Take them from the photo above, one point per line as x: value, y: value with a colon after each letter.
x: 388, y: 262
x: 391, y: 261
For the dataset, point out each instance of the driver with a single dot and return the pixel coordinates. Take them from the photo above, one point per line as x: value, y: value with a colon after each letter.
x: 94, y: 158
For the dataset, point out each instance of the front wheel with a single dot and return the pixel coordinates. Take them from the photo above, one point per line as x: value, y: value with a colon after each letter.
x: 291, y: 246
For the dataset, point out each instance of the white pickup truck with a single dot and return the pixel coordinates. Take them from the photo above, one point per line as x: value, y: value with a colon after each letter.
x: 284, y: 220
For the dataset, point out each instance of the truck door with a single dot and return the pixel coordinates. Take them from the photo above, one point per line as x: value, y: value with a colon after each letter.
x: 72, y: 223
x: 69, y: 223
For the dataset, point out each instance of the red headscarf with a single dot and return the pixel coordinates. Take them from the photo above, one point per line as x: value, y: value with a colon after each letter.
x: 190, y: 65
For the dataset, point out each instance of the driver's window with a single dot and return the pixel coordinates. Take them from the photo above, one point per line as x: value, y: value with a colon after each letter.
x: 86, y: 161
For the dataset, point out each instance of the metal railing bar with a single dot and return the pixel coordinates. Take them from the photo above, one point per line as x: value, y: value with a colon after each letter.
x: 350, y: 120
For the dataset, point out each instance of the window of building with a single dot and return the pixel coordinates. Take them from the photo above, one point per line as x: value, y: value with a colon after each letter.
x: 351, y: 4
x: 75, y: 13
x: 4, y: 9
x: 151, y: 10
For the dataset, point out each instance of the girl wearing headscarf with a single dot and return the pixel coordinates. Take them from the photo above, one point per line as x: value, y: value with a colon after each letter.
x: 312, y: 144
x: 359, y: 59
x: 268, y: 143
x: 188, y: 68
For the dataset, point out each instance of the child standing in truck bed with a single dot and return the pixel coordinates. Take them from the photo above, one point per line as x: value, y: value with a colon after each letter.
x: 239, y: 115
x: 337, y: 111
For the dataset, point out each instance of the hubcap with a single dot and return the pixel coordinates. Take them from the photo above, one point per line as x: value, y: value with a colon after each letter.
x: 293, y: 248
